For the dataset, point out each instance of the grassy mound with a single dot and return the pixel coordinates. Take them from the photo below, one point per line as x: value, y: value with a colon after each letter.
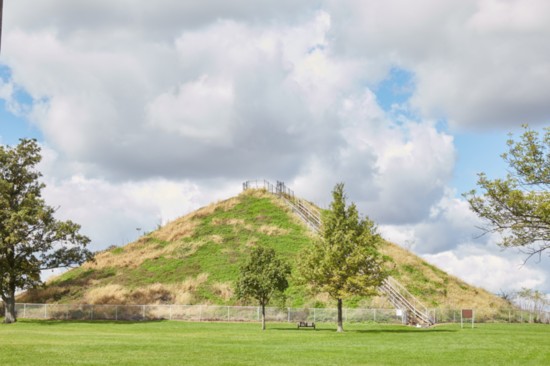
x: 195, y: 259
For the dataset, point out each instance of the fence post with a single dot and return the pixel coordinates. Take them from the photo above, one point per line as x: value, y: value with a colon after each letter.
x: 45, y: 311
x: 116, y: 312
x: 24, y: 310
x: 228, y: 313
x: 200, y: 313
x: 142, y: 312
x: 288, y: 315
x: 91, y: 312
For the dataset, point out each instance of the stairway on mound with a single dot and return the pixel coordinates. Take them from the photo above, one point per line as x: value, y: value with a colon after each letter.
x: 397, y: 294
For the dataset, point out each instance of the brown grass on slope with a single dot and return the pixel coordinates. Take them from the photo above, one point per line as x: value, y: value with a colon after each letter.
x: 157, y: 293
x: 435, y: 287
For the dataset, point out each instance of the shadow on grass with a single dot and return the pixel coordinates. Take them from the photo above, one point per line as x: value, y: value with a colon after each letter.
x: 367, y: 331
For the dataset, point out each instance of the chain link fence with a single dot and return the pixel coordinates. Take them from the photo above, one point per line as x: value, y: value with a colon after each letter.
x: 253, y: 314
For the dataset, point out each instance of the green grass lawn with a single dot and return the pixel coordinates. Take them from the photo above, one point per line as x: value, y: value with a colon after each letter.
x: 180, y: 343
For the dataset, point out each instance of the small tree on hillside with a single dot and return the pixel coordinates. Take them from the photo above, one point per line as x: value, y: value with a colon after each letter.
x: 31, y: 239
x: 345, y: 260
x: 262, y: 276
x: 518, y: 207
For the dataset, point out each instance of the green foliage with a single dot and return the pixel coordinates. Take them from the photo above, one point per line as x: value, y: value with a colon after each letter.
x: 262, y: 276
x: 345, y: 260
x: 518, y: 207
x: 31, y: 239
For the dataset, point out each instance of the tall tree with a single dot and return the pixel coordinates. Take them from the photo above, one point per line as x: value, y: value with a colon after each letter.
x: 518, y: 207
x: 345, y: 260
x: 262, y: 276
x: 31, y: 239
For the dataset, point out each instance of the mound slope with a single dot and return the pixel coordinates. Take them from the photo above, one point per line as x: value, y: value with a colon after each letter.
x: 195, y: 259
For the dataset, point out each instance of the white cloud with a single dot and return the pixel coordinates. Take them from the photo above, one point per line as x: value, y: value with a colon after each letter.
x: 476, y: 63
x: 200, y: 110
x: 490, y: 271
x: 111, y: 213
x: 149, y: 109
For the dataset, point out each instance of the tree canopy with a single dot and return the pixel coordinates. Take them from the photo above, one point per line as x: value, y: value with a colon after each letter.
x: 345, y: 260
x: 31, y: 239
x: 262, y: 276
x: 518, y: 207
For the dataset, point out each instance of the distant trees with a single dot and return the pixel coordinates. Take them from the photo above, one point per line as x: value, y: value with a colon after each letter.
x: 518, y: 207
x: 262, y: 276
x: 31, y: 239
x: 344, y: 261
x: 533, y: 301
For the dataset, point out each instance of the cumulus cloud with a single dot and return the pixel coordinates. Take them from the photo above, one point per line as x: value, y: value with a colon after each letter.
x: 477, y: 63
x: 488, y: 270
x: 115, y: 214
x: 149, y: 110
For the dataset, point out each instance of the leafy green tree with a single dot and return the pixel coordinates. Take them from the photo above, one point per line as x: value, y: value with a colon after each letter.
x: 31, y: 239
x: 518, y: 207
x: 345, y: 260
x: 262, y: 276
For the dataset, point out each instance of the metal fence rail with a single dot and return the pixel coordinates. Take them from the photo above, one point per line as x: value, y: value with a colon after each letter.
x: 253, y: 314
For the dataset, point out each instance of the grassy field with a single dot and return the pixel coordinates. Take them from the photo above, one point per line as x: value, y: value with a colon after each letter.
x: 180, y: 343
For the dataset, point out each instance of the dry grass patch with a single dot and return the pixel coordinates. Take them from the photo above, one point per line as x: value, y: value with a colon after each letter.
x: 184, y: 250
x: 228, y: 221
x: 224, y: 290
x: 157, y: 293
x: 218, y: 239
x: 272, y: 230
x: 210, y: 209
x: 237, y: 224
x: 107, y: 295
x: 252, y: 242
x: 133, y: 256
x: 184, y: 298
x: 191, y: 284
x: 177, y: 230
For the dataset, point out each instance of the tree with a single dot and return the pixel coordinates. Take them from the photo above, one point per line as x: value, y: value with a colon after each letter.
x: 344, y: 261
x: 31, y: 239
x: 262, y: 276
x: 518, y: 207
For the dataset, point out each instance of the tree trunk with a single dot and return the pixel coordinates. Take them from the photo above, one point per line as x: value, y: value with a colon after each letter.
x: 340, y: 322
x: 9, y: 307
x: 263, y: 316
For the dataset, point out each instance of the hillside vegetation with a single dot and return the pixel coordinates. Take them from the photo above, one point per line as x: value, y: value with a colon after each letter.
x: 195, y: 260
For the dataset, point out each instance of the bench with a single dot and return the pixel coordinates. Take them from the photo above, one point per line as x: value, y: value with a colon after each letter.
x: 306, y: 325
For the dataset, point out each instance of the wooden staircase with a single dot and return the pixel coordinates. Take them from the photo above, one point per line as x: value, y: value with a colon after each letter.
x: 414, y: 311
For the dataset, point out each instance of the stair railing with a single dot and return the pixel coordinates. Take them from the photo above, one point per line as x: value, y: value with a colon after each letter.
x: 396, y: 293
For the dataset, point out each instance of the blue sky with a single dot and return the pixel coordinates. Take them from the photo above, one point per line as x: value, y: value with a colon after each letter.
x: 146, y: 112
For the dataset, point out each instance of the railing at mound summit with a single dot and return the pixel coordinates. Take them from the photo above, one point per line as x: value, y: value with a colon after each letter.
x: 397, y: 294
